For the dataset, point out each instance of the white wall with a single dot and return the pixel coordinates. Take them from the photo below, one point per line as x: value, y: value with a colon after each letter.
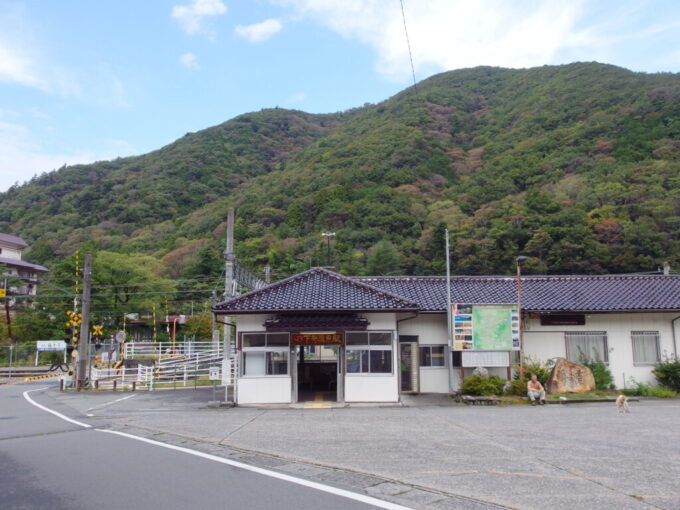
x: 430, y: 328
x: 264, y: 390
x: 371, y: 387
x: 546, y: 342
x: 10, y: 252
x: 251, y: 322
x: 381, y: 321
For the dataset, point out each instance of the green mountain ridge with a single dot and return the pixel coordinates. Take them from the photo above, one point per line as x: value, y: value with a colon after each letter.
x: 576, y: 166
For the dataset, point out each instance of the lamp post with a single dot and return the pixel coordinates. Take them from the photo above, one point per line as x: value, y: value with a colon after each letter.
x: 328, y: 236
x: 519, y: 261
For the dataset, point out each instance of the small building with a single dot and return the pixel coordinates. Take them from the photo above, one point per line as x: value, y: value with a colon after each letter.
x: 320, y: 335
x: 11, y: 249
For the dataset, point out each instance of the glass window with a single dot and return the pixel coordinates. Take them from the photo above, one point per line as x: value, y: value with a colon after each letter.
x: 432, y: 356
x: 587, y: 346
x: 645, y: 347
x: 353, y: 361
x: 381, y: 361
x: 356, y: 338
x: 277, y: 339
x: 254, y: 339
x: 380, y: 338
x: 277, y: 363
x: 254, y: 363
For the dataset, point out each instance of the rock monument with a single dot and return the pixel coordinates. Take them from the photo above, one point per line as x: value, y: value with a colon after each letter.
x: 570, y: 377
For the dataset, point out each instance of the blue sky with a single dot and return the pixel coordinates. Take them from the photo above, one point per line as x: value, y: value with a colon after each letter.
x: 85, y: 80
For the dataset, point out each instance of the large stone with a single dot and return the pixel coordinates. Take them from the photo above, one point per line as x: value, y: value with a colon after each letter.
x: 569, y: 377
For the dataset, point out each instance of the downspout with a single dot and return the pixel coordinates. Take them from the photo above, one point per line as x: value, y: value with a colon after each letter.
x: 675, y: 345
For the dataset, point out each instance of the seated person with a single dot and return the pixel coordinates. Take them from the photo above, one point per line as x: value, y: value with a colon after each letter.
x: 535, y: 391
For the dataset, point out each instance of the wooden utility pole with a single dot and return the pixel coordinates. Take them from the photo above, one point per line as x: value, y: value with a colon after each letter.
x: 84, y: 342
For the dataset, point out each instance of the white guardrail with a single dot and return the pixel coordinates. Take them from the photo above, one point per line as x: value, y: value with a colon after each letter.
x: 161, y: 350
x: 179, y: 369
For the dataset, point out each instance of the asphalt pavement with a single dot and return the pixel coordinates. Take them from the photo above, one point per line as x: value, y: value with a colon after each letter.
x: 431, y: 454
x: 48, y: 462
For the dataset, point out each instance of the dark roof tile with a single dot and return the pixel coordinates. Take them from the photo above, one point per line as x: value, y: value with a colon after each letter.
x: 317, y: 289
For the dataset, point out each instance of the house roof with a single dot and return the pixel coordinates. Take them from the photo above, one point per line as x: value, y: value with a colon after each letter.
x: 606, y: 293
x: 317, y: 289
x: 22, y: 264
x: 13, y: 240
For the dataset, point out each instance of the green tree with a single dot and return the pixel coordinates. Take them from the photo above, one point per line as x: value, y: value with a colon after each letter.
x: 383, y: 260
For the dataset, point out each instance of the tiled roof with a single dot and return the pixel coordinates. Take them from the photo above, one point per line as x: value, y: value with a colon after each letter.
x: 14, y: 240
x: 317, y: 290
x: 21, y: 263
x: 541, y: 293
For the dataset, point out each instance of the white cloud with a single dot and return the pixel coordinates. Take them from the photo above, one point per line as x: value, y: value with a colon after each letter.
x: 16, y: 66
x: 189, y: 60
x: 192, y: 17
x: 259, y: 31
x: 446, y: 34
x: 297, y: 98
x: 21, y: 156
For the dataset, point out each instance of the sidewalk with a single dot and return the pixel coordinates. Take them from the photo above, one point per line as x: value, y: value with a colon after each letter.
x: 437, y: 454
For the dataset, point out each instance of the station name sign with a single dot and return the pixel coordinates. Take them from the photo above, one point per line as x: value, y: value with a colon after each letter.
x: 317, y: 339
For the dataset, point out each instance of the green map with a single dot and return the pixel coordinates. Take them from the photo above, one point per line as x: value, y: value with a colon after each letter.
x: 492, y: 329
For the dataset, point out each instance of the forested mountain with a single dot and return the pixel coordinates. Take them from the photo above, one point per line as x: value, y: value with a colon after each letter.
x: 576, y: 166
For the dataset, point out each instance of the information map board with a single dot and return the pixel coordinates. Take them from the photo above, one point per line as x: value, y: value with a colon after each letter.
x: 485, y: 327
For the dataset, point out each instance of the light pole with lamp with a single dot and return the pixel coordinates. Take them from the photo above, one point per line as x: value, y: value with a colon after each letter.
x: 519, y: 261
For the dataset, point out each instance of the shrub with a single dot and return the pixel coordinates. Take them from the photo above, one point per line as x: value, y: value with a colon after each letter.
x: 667, y: 372
x: 518, y: 388
x: 604, y: 380
x: 534, y: 366
x: 480, y: 386
x: 640, y: 389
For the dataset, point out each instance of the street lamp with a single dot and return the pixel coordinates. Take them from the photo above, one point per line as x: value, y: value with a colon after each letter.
x: 328, y: 236
x: 519, y: 261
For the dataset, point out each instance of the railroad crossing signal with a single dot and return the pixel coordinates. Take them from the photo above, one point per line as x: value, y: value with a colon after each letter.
x: 97, y: 330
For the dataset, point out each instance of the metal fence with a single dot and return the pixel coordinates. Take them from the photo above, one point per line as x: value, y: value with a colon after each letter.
x: 165, y: 350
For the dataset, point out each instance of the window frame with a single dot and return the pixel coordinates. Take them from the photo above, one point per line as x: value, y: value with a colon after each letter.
x: 605, y: 347
x: 267, y: 351
x: 656, y: 336
x: 367, y: 348
x: 421, y: 358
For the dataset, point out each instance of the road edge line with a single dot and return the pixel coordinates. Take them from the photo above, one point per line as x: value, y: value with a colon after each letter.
x: 266, y: 472
x: 55, y: 413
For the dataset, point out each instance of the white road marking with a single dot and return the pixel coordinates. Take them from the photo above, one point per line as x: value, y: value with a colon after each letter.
x: 109, y: 403
x: 55, y: 413
x: 266, y: 472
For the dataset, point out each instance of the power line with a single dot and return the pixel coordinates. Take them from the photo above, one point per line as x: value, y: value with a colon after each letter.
x: 408, y: 44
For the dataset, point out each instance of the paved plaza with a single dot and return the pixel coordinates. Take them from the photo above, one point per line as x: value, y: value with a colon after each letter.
x: 430, y: 454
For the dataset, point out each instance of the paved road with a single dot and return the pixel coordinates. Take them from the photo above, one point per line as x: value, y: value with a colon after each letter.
x: 46, y: 462
x: 557, y: 457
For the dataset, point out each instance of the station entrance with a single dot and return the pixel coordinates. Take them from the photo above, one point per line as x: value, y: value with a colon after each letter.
x: 317, y: 375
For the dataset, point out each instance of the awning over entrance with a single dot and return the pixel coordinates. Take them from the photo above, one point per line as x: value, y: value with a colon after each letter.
x: 317, y: 322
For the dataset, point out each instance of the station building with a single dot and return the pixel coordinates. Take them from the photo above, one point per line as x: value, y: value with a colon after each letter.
x: 319, y: 335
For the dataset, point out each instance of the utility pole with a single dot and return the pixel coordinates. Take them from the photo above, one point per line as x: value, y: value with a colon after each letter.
x: 8, y: 315
x: 449, y: 317
x: 84, y: 342
x: 229, y: 259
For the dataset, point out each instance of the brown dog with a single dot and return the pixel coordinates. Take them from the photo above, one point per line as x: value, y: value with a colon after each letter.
x: 622, y: 404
